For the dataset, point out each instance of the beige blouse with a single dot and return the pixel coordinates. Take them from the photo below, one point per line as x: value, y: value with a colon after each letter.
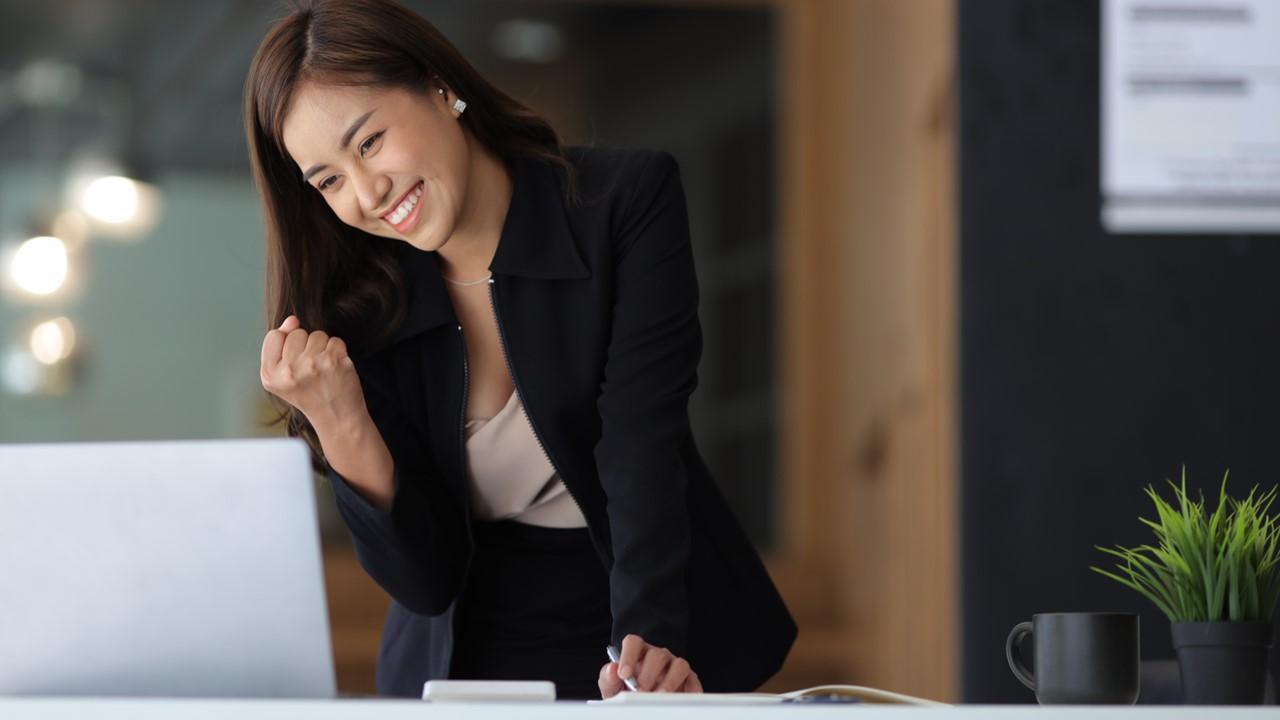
x: 509, y: 475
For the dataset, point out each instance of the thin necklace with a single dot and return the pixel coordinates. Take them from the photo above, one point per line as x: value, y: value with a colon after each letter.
x: 468, y: 283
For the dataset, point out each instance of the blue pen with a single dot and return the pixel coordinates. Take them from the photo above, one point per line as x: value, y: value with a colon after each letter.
x: 615, y: 657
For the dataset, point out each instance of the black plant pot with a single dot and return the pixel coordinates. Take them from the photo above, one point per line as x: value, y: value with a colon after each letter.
x: 1222, y: 663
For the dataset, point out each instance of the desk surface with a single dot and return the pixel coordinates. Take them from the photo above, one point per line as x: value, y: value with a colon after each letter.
x: 145, y: 709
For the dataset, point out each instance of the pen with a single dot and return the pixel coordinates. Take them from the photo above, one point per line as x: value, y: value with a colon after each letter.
x: 615, y: 657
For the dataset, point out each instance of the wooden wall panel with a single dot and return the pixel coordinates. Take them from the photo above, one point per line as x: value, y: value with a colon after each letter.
x: 868, y: 301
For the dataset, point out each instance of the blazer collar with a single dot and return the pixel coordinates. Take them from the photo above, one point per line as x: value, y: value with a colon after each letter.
x: 536, y: 242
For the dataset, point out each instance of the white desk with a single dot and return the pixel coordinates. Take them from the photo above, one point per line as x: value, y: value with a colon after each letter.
x: 142, y: 709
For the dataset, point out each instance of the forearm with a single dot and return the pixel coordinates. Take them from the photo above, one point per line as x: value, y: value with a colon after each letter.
x: 357, y: 451
x: 652, y: 541
x: 418, y: 558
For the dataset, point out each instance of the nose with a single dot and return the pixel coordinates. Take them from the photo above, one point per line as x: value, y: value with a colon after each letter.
x: 371, y: 189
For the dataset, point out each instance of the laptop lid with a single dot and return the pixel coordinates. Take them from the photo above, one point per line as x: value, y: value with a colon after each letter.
x: 175, y: 568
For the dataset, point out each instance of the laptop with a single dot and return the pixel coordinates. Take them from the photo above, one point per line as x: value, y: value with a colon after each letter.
x: 162, y: 569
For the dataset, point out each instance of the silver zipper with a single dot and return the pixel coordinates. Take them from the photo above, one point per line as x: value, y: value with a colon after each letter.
x: 462, y: 456
x: 462, y: 413
x: 502, y: 341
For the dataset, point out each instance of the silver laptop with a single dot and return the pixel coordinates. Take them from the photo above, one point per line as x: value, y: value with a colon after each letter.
x: 173, y: 569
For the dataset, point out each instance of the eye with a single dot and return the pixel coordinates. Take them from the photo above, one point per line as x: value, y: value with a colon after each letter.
x: 368, y: 144
x: 325, y: 183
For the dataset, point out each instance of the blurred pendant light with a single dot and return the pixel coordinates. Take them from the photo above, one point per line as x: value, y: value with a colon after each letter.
x: 48, y: 363
x: 44, y: 268
x: 39, y: 266
x: 53, y: 341
x: 117, y: 202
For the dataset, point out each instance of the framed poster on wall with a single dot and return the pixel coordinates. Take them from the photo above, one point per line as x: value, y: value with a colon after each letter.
x: 1190, y: 116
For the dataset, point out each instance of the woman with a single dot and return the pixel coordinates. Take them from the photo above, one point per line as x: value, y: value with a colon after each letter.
x: 489, y: 341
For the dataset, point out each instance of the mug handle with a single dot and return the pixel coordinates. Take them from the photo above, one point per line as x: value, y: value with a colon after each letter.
x: 1020, y: 671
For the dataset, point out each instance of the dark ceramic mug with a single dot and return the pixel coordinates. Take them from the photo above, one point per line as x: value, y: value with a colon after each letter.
x: 1087, y: 658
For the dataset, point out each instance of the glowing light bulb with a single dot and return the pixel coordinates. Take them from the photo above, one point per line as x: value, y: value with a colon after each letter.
x: 112, y: 199
x: 53, y: 340
x: 40, y: 265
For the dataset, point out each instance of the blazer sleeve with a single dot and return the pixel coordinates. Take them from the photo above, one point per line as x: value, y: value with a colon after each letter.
x: 650, y: 371
x: 417, y: 551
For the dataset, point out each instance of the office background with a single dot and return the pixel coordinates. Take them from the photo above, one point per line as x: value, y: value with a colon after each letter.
x: 1092, y: 364
x: 931, y: 381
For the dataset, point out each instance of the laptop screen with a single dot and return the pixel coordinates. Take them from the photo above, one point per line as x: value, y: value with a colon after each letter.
x: 176, y: 568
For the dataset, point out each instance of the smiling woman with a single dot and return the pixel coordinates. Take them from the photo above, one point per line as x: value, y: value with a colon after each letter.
x: 357, y: 55
x: 494, y: 371
x: 373, y: 184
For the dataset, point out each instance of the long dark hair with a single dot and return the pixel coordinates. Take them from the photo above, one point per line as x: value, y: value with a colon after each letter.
x: 332, y: 276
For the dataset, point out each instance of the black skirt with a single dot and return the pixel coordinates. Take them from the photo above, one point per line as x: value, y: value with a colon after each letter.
x: 535, y: 607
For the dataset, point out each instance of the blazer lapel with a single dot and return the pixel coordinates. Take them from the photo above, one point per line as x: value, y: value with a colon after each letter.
x: 536, y: 239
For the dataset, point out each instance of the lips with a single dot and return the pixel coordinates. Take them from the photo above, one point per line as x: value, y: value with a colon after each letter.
x: 404, y: 214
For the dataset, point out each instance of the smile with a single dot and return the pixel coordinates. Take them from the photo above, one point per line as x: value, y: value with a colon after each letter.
x: 406, y: 212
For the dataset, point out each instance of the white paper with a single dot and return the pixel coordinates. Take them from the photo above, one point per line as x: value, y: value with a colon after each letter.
x: 1191, y: 115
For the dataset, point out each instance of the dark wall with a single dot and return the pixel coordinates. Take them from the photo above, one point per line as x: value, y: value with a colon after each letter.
x: 1091, y: 364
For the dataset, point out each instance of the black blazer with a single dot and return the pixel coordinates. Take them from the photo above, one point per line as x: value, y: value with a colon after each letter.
x: 597, y: 310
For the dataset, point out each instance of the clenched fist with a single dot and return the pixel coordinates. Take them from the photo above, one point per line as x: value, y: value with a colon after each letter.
x: 312, y: 372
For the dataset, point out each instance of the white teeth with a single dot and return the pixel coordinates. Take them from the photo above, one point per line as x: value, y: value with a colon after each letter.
x: 405, y: 207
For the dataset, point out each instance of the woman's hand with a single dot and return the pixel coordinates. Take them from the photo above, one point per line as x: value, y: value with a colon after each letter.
x: 312, y: 372
x: 654, y: 668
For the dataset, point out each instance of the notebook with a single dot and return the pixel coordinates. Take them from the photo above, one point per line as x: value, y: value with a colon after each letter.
x: 816, y: 694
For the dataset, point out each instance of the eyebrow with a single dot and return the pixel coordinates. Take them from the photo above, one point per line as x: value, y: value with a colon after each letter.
x: 346, y: 140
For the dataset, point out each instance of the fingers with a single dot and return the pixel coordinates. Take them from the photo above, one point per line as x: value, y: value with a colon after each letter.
x: 677, y: 673
x: 320, y: 362
x: 294, y: 343
x: 289, y: 343
x: 273, y: 347
x: 654, y: 669
x: 317, y: 341
x: 609, y: 682
x: 338, y: 349
x: 653, y: 666
x: 633, y: 647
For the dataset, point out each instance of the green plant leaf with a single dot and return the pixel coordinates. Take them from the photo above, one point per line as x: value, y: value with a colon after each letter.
x: 1155, y: 599
x: 1204, y: 565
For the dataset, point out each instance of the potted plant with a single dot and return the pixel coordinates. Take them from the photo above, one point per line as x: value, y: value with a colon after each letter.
x: 1217, y: 578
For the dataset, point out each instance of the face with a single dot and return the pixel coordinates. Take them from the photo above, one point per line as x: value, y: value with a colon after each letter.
x: 390, y: 162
